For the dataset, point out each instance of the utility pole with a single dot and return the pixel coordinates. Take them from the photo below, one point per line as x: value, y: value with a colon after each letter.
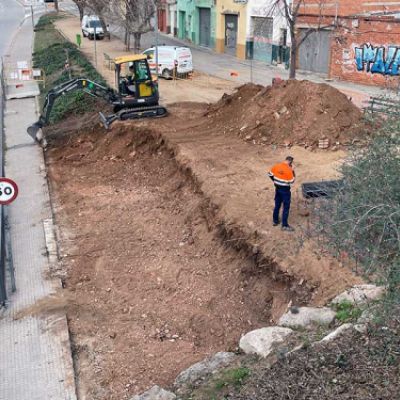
x: 95, y: 46
x: 33, y: 19
x: 156, y: 23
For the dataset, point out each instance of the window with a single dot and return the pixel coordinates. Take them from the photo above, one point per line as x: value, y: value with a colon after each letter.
x: 142, y: 72
x: 95, y: 24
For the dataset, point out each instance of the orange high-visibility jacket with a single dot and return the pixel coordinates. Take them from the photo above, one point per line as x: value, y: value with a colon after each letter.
x: 282, y: 174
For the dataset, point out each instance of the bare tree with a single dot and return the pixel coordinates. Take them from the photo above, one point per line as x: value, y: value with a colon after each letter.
x: 291, y: 12
x: 135, y: 16
x: 81, y: 4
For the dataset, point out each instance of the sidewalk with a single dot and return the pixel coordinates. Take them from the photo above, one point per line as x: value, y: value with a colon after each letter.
x: 35, y: 353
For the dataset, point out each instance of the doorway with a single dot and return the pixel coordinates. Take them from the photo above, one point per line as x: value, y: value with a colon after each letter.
x: 231, y: 27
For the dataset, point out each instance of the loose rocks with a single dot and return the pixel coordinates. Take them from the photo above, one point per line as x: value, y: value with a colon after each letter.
x: 306, y: 316
x: 337, y: 332
x: 155, y: 393
x: 360, y: 294
x: 262, y: 341
x: 203, y: 368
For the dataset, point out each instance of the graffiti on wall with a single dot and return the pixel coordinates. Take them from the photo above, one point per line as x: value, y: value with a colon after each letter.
x: 378, y: 60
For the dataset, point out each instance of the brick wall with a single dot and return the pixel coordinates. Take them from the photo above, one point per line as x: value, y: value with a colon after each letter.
x: 354, y: 50
x: 347, y: 7
x: 363, y: 49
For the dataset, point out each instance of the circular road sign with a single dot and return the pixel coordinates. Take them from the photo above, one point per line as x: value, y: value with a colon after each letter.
x: 8, y: 191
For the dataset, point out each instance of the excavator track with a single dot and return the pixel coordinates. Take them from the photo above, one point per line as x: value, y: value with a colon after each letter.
x: 143, y: 112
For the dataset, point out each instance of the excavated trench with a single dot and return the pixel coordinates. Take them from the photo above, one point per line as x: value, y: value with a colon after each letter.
x: 158, y: 279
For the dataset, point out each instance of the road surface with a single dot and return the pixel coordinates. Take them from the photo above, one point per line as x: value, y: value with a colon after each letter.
x: 11, y: 14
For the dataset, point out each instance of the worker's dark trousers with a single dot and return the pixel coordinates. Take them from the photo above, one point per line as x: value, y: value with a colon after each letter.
x: 282, y: 196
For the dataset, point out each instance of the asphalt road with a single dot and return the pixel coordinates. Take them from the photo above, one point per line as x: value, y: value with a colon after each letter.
x: 11, y: 14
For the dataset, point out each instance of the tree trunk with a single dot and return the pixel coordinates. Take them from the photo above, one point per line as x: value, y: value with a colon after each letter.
x: 137, y: 36
x: 293, y: 52
x: 81, y: 9
x: 293, y: 56
x: 104, y: 27
x: 128, y: 41
x: 56, y: 5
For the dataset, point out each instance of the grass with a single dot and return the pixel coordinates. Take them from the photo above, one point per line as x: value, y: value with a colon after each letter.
x: 232, y: 377
x: 347, y: 311
x: 219, y: 387
x: 50, y: 54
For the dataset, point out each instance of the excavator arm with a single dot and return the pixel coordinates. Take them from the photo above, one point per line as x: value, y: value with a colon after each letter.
x: 90, y: 87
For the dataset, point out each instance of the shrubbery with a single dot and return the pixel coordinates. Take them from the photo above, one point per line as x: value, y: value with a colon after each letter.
x: 50, y: 55
x: 363, y: 221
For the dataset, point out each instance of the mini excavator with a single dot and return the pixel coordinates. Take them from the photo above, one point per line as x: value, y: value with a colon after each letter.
x: 136, y: 95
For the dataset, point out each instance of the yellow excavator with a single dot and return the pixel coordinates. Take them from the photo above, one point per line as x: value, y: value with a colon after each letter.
x: 136, y: 94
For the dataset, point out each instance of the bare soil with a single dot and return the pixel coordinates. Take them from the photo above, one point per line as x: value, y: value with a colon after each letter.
x: 154, y: 289
x: 290, y: 112
x: 167, y: 245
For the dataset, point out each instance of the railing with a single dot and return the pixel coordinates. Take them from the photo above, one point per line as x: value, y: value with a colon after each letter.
x: 383, y: 105
x: 3, y: 289
x: 5, y: 242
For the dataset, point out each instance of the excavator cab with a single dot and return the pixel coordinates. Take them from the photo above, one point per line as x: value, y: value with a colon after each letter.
x: 134, y: 82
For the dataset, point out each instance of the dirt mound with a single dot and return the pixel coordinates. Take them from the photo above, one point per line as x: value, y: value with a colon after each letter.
x: 291, y: 112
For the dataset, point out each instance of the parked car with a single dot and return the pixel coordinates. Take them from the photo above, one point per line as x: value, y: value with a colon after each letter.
x: 89, y: 23
x: 171, y: 59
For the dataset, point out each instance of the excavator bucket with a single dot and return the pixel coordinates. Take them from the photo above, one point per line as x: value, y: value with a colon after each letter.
x: 35, y: 130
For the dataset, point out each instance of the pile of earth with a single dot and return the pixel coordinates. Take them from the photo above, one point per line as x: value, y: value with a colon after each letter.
x: 290, y: 112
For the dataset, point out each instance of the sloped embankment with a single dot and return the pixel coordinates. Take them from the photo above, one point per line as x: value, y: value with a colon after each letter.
x: 157, y: 280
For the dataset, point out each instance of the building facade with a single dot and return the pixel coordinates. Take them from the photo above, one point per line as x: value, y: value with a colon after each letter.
x: 162, y: 16
x: 231, y: 20
x: 267, y: 37
x: 355, y: 41
x: 172, y: 18
x: 197, y: 22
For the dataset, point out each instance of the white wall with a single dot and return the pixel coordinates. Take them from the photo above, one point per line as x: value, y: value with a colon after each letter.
x: 264, y: 8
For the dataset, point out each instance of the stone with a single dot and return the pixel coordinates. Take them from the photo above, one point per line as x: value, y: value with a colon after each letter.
x: 263, y: 341
x: 283, y: 110
x: 155, y: 393
x: 203, y: 368
x: 360, y: 294
x: 337, y: 332
x: 307, y: 316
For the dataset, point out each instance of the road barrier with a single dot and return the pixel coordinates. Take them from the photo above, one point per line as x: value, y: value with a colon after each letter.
x: 5, y: 245
x: 21, y: 80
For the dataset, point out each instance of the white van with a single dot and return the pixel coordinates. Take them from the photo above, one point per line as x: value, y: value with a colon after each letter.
x: 89, y: 23
x: 170, y: 58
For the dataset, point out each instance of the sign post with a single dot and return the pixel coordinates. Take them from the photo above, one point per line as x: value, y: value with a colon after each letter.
x: 8, y: 191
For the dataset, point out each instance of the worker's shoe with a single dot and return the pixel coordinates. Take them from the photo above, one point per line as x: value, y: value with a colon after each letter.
x: 288, y: 228
x: 275, y: 223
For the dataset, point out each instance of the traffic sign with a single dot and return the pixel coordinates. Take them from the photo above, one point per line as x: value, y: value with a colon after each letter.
x: 8, y: 191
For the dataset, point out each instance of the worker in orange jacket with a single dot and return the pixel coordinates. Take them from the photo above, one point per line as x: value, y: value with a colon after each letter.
x: 283, y: 176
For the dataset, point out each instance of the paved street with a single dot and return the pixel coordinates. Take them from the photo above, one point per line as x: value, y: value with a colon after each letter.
x: 11, y: 14
x: 35, y: 353
x: 207, y: 61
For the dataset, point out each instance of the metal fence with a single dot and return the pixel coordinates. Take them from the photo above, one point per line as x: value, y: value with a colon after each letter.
x: 3, y: 290
x: 5, y: 243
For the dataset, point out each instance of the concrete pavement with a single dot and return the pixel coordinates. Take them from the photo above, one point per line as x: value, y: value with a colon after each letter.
x: 35, y: 353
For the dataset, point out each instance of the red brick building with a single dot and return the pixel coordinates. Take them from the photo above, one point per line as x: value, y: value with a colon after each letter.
x: 357, y: 40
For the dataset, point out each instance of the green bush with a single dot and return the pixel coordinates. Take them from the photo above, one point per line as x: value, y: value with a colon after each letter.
x: 51, y: 50
x: 362, y: 222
